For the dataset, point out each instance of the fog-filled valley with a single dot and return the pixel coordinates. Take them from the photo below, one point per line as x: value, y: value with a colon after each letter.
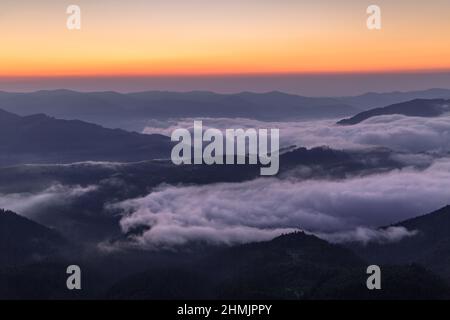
x: 87, y: 179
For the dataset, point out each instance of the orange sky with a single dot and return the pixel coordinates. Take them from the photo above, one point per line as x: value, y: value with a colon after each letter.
x: 138, y: 37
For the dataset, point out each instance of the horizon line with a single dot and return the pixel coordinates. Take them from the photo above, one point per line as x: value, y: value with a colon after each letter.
x: 227, y: 75
x: 217, y: 93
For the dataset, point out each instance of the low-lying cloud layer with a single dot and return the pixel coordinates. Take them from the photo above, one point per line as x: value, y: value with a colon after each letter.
x: 366, y: 235
x: 262, y: 208
x: 29, y: 203
x: 339, y: 211
x: 410, y: 134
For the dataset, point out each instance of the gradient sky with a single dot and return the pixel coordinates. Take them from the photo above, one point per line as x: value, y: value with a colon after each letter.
x: 212, y: 37
x: 221, y: 37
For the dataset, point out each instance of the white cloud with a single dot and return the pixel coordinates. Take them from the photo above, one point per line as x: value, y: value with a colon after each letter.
x: 367, y: 235
x: 411, y: 134
x: 28, y: 203
x: 81, y: 165
x: 259, y: 209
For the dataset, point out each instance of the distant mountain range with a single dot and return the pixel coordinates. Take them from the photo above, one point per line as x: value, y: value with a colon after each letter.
x: 114, y: 109
x: 414, y: 108
x: 373, y: 100
x: 42, y: 139
x: 132, y: 110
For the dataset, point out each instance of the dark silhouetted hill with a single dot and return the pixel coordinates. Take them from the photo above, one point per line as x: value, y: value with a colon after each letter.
x: 414, y: 108
x: 293, y: 267
x: 42, y: 139
x: 430, y: 247
x: 373, y: 100
x: 23, y: 241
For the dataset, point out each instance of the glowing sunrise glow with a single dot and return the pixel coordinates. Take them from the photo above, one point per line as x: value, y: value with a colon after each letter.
x: 221, y: 37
